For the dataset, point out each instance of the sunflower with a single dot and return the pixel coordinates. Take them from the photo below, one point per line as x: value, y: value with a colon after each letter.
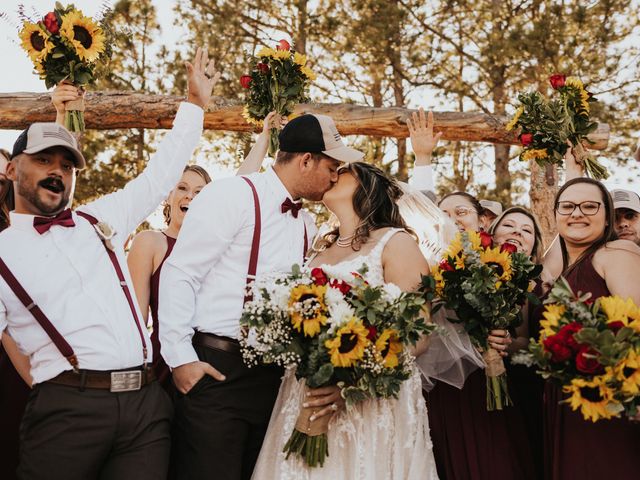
x: 534, y: 154
x: 594, y: 398
x: 460, y: 263
x: 577, y: 84
x: 455, y: 247
x: 347, y: 347
x: 249, y: 118
x: 389, y: 346
x: 307, y: 72
x: 499, y: 261
x: 266, y: 52
x: 437, y: 276
x: 35, y: 41
x: 628, y: 372
x: 308, y: 310
x: 476, y: 241
x: 618, y: 310
x: 281, y: 55
x: 551, y: 318
x: 299, y: 59
x: 83, y: 34
x: 514, y: 121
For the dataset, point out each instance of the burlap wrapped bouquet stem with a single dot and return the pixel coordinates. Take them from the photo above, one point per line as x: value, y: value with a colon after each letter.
x: 497, y: 391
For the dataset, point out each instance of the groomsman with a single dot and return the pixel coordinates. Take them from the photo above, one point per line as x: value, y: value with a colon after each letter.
x: 65, y: 298
x: 627, y: 209
x: 237, y: 228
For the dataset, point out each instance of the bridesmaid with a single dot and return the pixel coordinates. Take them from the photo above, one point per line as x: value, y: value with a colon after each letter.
x: 150, y: 249
x: 593, y: 261
x: 469, y: 441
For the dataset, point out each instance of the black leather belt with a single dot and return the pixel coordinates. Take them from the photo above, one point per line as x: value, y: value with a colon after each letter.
x: 216, y: 342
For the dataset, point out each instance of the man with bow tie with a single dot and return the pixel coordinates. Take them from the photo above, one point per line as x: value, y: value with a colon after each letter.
x: 237, y: 228
x: 95, y: 410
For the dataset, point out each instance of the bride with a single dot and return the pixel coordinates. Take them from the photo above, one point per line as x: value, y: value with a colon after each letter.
x: 386, y: 439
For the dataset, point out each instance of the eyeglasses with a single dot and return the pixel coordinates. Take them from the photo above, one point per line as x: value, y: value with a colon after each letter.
x: 460, y: 212
x: 588, y: 208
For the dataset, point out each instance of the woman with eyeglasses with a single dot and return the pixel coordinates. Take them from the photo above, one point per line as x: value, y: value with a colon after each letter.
x: 593, y: 261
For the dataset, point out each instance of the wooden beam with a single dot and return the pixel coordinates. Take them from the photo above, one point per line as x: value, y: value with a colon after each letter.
x: 115, y: 110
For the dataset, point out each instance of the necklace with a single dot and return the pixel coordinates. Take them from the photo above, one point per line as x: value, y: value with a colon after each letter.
x: 344, y: 242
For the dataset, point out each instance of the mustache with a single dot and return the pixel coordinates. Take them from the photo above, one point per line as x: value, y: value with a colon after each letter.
x: 52, y: 183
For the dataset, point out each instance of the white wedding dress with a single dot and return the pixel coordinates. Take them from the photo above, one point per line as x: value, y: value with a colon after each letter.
x: 381, y: 439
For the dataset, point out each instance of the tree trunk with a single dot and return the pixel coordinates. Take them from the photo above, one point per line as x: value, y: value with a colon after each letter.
x: 301, y: 35
x: 542, y: 192
x: 115, y: 110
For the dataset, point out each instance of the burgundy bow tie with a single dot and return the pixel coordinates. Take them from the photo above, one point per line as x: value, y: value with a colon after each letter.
x: 43, y: 224
x: 288, y: 204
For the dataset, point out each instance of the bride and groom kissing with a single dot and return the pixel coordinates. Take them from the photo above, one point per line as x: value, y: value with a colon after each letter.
x: 242, y: 227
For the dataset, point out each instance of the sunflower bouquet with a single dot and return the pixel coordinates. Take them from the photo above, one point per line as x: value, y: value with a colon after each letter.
x: 279, y: 79
x: 334, y: 330
x: 486, y: 286
x: 548, y: 126
x: 591, y: 349
x: 66, y: 46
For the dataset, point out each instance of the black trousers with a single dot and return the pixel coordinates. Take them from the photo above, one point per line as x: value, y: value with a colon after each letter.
x: 69, y: 434
x: 219, y: 426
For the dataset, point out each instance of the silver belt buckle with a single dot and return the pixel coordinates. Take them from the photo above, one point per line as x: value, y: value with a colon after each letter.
x: 126, y: 381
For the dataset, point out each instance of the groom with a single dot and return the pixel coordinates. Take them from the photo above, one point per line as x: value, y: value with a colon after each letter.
x: 236, y: 228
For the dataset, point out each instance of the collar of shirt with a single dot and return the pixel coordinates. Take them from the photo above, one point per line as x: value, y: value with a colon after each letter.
x: 276, y: 186
x: 21, y: 221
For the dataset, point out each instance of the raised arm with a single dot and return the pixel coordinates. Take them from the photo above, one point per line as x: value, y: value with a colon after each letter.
x: 423, y: 142
x: 63, y: 93
x: 126, y: 208
x: 258, y: 152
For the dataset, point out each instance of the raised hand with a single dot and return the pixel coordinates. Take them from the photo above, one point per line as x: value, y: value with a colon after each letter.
x: 423, y: 140
x: 201, y: 78
x: 273, y: 120
x: 63, y: 93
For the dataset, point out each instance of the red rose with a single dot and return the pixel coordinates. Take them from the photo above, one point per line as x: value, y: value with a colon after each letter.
x: 283, y: 45
x: 344, y: 287
x: 486, y: 240
x: 587, y: 361
x: 557, y: 80
x: 51, y: 22
x: 526, y: 139
x: 615, y: 326
x: 263, y: 67
x: 319, y: 277
x: 557, y: 348
x: 245, y: 81
x: 444, y: 265
x: 373, y: 331
x: 508, y: 247
x: 567, y: 333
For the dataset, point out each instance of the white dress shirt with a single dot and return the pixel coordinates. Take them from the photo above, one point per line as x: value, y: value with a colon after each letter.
x: 67, y: 271
x: 421, y: 178
x: 202, y: 283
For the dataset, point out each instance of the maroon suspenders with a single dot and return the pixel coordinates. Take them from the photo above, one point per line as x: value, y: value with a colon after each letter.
x: 55, y: 336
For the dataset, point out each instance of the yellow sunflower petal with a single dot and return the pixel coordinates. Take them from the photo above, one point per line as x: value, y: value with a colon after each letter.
x: 83, y: 34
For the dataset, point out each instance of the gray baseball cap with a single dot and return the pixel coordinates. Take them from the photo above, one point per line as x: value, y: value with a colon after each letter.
x: 40, y: 136
x: 493, y: 207
x: 626, y: 199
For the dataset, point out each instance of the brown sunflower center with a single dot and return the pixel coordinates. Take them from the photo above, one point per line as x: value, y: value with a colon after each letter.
x: 37, y: 41
x: 628, y: 371
x: 348, y: 341
x: 591, y: 394
x: 311, y: 305
x: 82, y: 35
x: 497, y: 267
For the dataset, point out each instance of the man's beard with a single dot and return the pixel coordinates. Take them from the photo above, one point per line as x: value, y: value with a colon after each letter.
x: 50, y: 183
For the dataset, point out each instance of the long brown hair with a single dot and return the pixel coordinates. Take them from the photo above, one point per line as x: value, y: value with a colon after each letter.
x: 7, y: 201
x: 166, y: 209
x: 375, y: 203
x: 538, y: 246
x: 608, y: 234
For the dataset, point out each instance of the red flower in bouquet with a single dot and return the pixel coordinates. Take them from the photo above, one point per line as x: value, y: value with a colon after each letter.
x: 444, y: 265
x: 567, y: 334
x: 263, y: 68
x: 245, y: 81
x: 508, y: 247
x: 615, y: 326
x: 283, y: 45
x: 587, y: 361
x: 526, y: 139
x: 373, y: 332
x: 344, y: 287
x: 51, y: 22
x: 557, y: 347
x: 557, y: 81
x: 319, y: 277
x: 486, y: 240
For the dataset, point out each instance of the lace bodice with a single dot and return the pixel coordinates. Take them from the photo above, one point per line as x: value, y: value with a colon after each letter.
x: 372, y: 259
